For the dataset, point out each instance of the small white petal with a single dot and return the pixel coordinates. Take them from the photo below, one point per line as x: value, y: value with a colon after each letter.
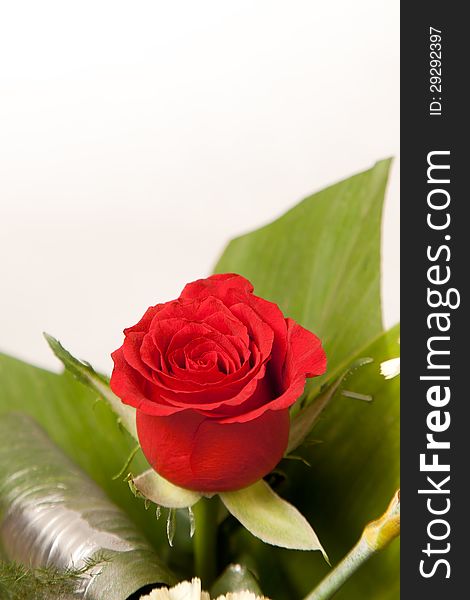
x: 390, y: 368
x: 191, y: 590
x: 186, y: 590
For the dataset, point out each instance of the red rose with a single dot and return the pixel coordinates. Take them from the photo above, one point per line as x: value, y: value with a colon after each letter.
x: 212, y: 375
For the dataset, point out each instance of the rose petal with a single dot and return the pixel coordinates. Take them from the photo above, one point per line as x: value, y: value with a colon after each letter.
x: 217, y: 286
x: 209, y: 398
x: 305, y: 354
x: 260, y: 332
x: 129, y: 385
x: 151, y: 354
x: 305, y: 358
x: 131, y: 350
x: 272, y: 315
x: 201, y: 454
x: 285, y: 400
x: 144, y: 323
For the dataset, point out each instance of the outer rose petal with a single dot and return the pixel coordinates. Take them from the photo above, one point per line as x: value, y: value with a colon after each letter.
x: 305, y: 353
x: 145, y: 321
x: 272, y: 315
x: 217, y: 286
x: 127, y: 384
x: 202, y: 454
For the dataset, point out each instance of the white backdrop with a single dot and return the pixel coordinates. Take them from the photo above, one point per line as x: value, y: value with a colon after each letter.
x: 137, y: 138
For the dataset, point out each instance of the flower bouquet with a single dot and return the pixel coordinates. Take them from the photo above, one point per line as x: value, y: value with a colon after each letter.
x: 246, y: 443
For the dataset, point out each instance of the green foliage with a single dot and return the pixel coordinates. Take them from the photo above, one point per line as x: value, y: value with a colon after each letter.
x: 82, y: 425
x: 18, y: 582
x: 303, y: 421
x: 44, y: 498
x: 85, y: 373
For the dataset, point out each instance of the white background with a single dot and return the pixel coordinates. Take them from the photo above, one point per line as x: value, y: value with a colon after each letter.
x: 137, y: 138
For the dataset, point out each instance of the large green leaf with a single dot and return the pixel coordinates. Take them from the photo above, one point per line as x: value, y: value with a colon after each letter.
x: 51, y: 513
x: 85, y: 428
x: 321, y: 263
x: 85, y: 373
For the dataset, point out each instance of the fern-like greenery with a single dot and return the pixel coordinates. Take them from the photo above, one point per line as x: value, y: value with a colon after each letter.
x: 18, y: 582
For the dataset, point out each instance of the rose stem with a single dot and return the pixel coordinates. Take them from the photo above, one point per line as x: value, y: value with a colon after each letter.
x: 376, y: 536
x: 205, y: 540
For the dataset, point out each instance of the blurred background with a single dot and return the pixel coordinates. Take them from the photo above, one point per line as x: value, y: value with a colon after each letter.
x: 137, y: 138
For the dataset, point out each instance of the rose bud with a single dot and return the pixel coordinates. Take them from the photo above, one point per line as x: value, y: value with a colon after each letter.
x: 212, y: 376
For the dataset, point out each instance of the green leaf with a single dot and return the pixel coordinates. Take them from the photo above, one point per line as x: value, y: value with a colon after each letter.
x: 85, y: 373
x: 303, y: 422
x: 320, y: 262
x: 154, y: 487
x: 270, y: 518
x: 51, y: 513
x: 85, y: 428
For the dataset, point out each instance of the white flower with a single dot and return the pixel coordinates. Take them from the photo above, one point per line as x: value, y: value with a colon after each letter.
x: 390, y: 368
x: 191, y: 590
x: 187, y: 590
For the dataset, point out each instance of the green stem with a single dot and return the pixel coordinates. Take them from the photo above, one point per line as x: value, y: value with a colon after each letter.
x: 205, y: 540
x: 343, y: 571
x: 376, y: 536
